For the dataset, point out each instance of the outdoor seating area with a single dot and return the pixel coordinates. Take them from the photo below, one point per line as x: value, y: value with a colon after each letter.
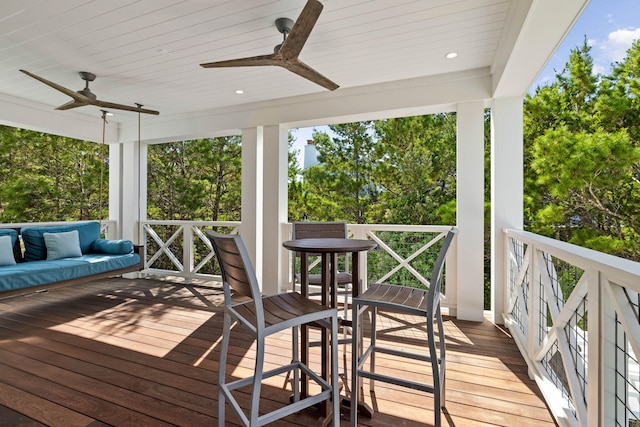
x: 59, y: 255
x: 518, y: 307
x: 146, y: 351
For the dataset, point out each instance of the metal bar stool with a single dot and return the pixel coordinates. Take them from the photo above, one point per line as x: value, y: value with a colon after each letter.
x: 263, y: 316
x: 402, y: 299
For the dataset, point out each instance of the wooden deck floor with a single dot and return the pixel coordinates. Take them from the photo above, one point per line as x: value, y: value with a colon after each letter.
x: 144, y: 353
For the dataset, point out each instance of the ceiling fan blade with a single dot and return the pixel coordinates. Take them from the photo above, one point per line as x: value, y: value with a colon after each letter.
x: 302, y: 69
x: 114, y: 106
x: 72, y: 104
x: 301, y: 29
x: 287, y: 54
x: 251, y: 61
x: 80, y: 100
x: 72, y: 93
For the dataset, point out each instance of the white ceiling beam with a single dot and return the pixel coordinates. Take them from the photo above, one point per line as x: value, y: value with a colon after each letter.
x: 402, y: 98
x: 519, y: 62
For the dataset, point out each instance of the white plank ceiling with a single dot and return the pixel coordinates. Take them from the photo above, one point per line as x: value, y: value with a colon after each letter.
x: 149, y: 51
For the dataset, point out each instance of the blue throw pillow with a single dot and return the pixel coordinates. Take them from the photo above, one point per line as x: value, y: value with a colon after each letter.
x: 35, y: 249
x: 6, y: 251
x: 62, y: 245
x: 112, y: 247
x: 9, y: 232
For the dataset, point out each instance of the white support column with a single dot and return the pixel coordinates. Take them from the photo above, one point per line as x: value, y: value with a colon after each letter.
x: 506, y: 190
x: 275, y: 213
x: 133, y: 186
x: 469, y: 295
x: 251, y: 209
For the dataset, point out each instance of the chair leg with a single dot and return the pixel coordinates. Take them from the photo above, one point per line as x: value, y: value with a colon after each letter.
x: 355, y: 361
x: 374, y: 327
x: 295, y: 358
x: 226, y: 332
x: 335, y: 394
x: 346, y: 331
x: 257, y: 382
x: 443, y: 358
x: 435, y: 370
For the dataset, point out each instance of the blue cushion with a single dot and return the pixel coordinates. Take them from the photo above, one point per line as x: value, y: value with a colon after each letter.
x: 33, y: 239
x: 112, y: 247
x: 6, y: 251
x: 62, y: 245
x: 9, y: 232
x: 27, y: 274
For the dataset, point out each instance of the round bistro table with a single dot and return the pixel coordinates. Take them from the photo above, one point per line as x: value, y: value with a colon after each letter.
x: 329, y: 249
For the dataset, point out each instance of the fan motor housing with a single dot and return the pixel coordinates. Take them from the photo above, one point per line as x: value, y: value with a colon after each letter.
x: 85, y: 75
x: 284, y: 25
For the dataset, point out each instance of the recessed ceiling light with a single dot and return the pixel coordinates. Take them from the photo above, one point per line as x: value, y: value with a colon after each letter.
x: 239, y: 91
x: 451, y: 55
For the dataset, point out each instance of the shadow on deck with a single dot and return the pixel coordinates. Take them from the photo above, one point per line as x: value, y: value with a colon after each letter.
x: 144, y: 352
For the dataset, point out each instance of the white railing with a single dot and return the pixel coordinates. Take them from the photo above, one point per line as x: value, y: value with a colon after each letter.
x: 405, y: 254
x: 558, y: 296
x: 181, y: 248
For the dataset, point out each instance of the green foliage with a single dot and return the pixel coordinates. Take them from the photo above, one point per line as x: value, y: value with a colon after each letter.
x: 582, y: 156
x: 571, y: 163
x: 195, y: 180
x: 47, y: 177
x: 395, y: 171
x: 418, y: 172
x: 618, y: 103
x: 342, y: 186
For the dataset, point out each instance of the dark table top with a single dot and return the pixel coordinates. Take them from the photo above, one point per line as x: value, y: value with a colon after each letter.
x: 329, y: 245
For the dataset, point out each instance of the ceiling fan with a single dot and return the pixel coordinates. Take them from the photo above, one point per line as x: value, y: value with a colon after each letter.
x: 286, y: 54
x: 85, y: 96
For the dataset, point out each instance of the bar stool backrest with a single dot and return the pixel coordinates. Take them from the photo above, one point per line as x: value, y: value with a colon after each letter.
x: 237, y: 275
x: 435, y: 284
x: 318, y: 230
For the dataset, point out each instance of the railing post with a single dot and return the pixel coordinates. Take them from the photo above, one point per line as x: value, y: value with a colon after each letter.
x: 595, y: 380
x: 360, y: 232
x: 111, y: 229
x: 451, y: 279
x: 288, y: 257
x: 534, y: 304
x: 187, y: 250
x: 507, y: 291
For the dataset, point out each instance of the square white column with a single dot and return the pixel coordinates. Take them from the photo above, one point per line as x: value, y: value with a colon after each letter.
x: 275, y: 208
x: 506, y: 190
x: 252, y: 195
x: 469, y: 292
x: 128, y: 188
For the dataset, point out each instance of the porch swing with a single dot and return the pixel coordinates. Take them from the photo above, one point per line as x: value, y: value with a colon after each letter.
x: 63, y: 255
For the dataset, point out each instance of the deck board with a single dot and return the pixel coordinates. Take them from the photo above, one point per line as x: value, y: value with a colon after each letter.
x: 144, y: 352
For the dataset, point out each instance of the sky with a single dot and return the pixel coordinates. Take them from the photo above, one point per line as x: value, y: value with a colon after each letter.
x: 610, y: 27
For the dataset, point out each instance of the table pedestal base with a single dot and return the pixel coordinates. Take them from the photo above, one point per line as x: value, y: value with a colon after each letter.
x: 363, y: 408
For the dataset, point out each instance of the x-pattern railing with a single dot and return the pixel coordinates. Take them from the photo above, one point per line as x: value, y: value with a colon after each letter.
x: 164, y: 246
x: 404, y: 262
x: 181, y: 248
x: 558, y: 296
